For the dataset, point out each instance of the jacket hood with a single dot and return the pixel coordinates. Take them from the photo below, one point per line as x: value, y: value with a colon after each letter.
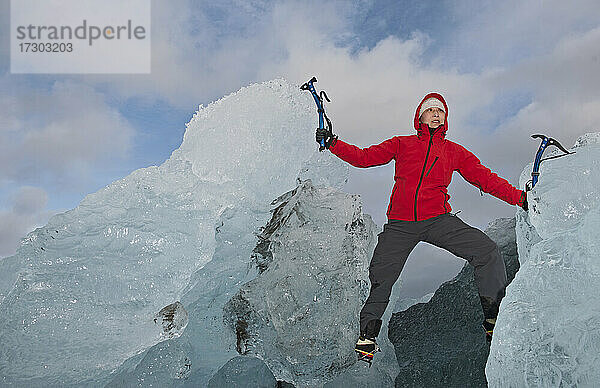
x: 423, y: 129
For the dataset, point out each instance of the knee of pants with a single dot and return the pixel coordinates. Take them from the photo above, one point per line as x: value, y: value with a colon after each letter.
x: 382, y: 279
x: 488, y: 253
x: 493, y: 246
x: 490, y: 248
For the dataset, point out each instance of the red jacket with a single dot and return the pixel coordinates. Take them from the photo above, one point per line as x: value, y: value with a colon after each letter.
x: 424, y: 167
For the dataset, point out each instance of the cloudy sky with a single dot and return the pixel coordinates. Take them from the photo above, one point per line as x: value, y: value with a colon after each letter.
x: 507, y: 69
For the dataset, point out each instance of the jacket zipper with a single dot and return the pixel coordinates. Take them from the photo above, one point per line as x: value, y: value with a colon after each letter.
x: 428, y: 171
x: 422, y: 172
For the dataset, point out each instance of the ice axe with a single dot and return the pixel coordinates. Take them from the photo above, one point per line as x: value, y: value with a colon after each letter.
x: 318, y: 97
x: 546, y: 141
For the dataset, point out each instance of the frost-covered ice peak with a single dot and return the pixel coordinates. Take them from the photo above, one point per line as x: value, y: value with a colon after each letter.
x: 253, y: 138
x: 548, y: 329
x: 80, y: 295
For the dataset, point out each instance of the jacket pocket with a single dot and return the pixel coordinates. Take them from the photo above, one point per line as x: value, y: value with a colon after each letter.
x: 444, y: 201
x: 391, y: 200
x: 399, y: 185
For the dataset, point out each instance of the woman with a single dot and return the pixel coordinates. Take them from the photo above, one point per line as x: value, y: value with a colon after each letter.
x: 419, y: 211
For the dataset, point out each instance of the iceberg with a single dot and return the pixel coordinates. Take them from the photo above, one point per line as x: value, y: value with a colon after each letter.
x: 300, y: 314
x: 284, y: 309
x: 83, y: 300
x: 548, y: 329
x: 243, y: 371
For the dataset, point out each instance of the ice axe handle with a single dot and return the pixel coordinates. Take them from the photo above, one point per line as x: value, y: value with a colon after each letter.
x: 309, y: 86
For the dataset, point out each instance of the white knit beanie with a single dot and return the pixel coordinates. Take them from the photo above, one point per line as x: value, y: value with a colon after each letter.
x: 431, y: 103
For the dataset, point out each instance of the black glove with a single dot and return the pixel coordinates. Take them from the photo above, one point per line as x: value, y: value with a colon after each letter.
x: 327, y: 135
x: 525, y: 206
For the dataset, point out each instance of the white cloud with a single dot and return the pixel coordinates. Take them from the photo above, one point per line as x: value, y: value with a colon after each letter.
x: 27, y: 210
x: 565, y: 102
x: 61, y: 132
x: 196, y: 57
x: 9, y: 120
x: 499, y: 34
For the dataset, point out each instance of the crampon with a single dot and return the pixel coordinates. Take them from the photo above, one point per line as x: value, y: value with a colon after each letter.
x: 366, y: 349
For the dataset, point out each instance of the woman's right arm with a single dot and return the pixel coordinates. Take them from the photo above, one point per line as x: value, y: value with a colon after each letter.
x: 375, y: 155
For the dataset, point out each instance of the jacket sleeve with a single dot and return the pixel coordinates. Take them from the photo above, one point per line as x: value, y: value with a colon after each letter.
x: 375, y: 155
x: 471, y: 169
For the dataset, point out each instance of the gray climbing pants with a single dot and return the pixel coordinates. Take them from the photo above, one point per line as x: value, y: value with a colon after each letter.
x: 445, y: 231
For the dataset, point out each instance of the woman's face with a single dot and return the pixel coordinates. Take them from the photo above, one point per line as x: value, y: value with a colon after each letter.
x: 434, y: 117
